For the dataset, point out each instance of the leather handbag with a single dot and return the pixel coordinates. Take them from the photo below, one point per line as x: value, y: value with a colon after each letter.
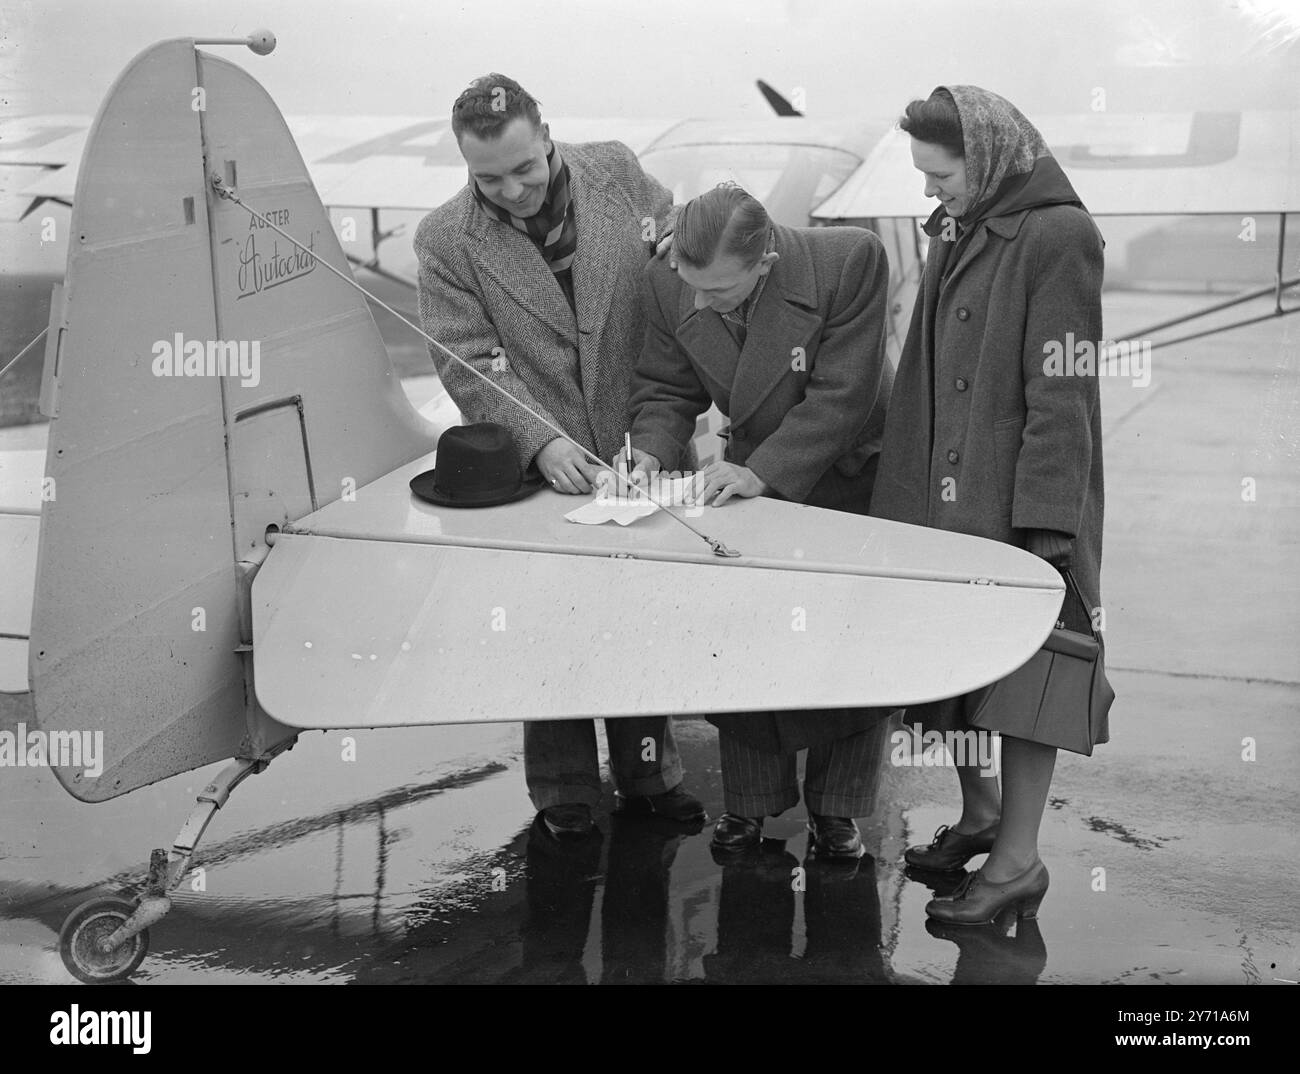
x: 1060, y: 697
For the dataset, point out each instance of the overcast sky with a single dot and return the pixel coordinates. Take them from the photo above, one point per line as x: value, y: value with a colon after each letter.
x: 676, y: 57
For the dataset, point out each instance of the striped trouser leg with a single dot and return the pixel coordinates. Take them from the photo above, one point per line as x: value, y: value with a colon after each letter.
x: 756, y: 783
x: 843, y: 776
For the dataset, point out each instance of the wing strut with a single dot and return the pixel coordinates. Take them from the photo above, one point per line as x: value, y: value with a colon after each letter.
x: 35, y: 340
x: 1277, y: 288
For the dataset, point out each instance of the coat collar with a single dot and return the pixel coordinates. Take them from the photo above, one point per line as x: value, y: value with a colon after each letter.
x: 511, y: 258
x: 784, y: 319
x: 1004, y: 213
x: 1006, y: 227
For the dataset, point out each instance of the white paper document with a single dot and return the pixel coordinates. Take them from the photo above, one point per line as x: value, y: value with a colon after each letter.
x: 625, y: 508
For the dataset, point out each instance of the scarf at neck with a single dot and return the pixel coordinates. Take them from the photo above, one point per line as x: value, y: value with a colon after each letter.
x: 552, y: 227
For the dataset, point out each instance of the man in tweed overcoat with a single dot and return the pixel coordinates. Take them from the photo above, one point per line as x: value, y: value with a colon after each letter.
x: 532, y: 275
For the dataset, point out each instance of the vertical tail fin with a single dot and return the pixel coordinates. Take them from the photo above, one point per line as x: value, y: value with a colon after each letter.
x: 207, y: 382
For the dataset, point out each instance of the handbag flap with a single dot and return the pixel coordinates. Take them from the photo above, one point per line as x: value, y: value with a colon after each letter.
x: 1071, y: 643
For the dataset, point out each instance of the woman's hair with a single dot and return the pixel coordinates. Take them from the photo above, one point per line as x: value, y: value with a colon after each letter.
x: 723, y: 222
x: 935, y: 120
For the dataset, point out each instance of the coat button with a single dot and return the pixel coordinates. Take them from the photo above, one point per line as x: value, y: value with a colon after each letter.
x: 961, y: 384
x: 953, y: 456
x: 738, y: 430
x: 962, y: 313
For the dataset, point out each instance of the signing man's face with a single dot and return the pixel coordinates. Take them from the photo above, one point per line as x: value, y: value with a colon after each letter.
x: 511, y: 169
x: 726, y: 282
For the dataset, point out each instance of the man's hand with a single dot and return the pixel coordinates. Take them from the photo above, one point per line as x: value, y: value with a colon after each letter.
x: 644, y: 464
x: 720, y: 481
x: 1050, y: 545
x: 566, y: 468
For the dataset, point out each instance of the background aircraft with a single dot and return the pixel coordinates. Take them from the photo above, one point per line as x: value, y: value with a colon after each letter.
x: 1223, y: 169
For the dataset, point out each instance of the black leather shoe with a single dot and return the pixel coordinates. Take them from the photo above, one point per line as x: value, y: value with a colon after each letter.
x: 979, y: 902
x: 569, y: 821
x: 737, y: 833
x: 675, y: 804
x: 834, y: 837
x: 949, y: 851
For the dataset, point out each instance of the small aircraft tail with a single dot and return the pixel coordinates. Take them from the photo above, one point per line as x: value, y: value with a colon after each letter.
x: 205, y: 381
x: 779, y: 101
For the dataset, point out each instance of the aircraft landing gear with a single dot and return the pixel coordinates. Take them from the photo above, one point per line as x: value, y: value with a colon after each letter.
x: 86, y: 947
x: 106, y: 939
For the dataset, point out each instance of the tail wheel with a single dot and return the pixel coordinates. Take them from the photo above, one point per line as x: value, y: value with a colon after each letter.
x: 86, y: 928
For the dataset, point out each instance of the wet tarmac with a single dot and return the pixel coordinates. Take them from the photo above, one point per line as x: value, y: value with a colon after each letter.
x: 1173, y: 859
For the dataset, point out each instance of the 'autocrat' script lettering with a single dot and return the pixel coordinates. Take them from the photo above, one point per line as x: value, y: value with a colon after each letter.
x: 260, y: 268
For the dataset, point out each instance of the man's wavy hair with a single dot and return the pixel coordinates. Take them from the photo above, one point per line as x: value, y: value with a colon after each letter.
x: 726, y: 221
x: 489, y: 105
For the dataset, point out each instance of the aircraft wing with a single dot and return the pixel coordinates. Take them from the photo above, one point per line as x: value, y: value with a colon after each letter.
x: 48, y: 140
x: 388, y: 611
x: 367, y: 161
x: 1140, y: 164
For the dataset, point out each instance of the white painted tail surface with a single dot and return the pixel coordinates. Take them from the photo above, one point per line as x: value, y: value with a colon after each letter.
x: 164, y: 486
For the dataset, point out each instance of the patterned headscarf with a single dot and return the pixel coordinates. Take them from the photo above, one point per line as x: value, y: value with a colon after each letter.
x: 552, y: 227
x: 999, y: 142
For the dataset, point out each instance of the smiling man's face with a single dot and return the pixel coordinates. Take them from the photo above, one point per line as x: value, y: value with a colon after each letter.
x: 511, y: 169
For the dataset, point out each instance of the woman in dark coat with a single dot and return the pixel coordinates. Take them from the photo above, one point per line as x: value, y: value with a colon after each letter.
x: 981, y: 438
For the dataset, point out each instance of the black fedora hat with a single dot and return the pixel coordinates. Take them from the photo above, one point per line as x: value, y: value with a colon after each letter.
x: 476, y: 466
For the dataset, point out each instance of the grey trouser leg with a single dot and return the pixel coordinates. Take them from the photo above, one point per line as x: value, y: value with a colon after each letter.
x: 643, y: 756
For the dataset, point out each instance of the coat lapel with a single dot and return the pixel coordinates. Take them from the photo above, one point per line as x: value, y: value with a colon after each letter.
x: 786, y: 317
x: 600, y: 223
x: 597, y: 267
x: 971, y: 251
x: 510, y: 258
x: 1006, y: 226
x: 704, y: 337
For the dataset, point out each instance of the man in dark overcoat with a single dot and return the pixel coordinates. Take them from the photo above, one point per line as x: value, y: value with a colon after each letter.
x: 784, y: 330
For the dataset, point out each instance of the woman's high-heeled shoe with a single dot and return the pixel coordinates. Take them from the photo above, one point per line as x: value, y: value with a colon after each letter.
x: 978, y: 901
x: 949, y: 851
